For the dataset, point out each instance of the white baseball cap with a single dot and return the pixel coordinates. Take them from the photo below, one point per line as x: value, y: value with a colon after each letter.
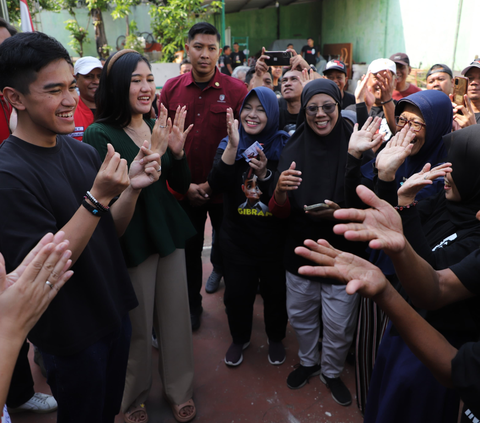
x: 379, y: 65
x: 85, y: 65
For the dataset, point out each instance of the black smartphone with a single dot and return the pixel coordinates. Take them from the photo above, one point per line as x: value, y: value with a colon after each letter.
x: 278, y: 58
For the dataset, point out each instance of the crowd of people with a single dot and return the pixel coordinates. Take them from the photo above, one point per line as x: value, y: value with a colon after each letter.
x: 308, y: 188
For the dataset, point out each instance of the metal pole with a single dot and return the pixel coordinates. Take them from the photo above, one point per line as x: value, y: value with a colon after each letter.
x: 4, y: 10
x: 223, y: 23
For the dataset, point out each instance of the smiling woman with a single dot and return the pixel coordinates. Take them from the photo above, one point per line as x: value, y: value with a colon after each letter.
x: 153, y: 244
x: 317, y: 151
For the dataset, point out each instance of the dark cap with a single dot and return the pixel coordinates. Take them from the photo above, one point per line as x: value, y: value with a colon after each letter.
x: 336, y: 65
x: 474, y: 64
x: 401, y: 58
x: 439, y: 67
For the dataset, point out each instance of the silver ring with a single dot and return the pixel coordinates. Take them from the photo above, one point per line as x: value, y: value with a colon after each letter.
x: 425, y: 177
x: 50, y: 284
x: 159, y: 169
x: 162, y: 126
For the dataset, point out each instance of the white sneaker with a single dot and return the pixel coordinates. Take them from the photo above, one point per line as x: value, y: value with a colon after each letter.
x: 39, y: 403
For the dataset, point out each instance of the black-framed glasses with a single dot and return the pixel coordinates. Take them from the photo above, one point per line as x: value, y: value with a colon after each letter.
x: 328, y: 108
x: 415, y: 125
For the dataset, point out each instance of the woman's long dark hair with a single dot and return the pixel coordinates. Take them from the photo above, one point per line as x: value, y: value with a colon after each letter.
x: 112, y: 97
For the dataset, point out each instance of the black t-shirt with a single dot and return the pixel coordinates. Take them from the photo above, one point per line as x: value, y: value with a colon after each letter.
x: 285, y: 118
x: 237, y: 59
x: 310, y: 54
x: 347, y: 100
x: 247, y: 228
x: 223, y: 62
x: 40, y: 190
x: 477, y: 117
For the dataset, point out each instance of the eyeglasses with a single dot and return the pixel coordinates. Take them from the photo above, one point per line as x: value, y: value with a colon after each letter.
x: 327, y: 108
x: 416, y: 126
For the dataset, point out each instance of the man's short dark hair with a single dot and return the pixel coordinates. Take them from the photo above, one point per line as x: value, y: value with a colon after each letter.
x: 235, y: 43
x: 185, y: 61
x: 10, y: 28
x: 203, y: 28
x: 311, y: 38
x: 251, y: 72
x: 22, y: 57
x: 249, y: 75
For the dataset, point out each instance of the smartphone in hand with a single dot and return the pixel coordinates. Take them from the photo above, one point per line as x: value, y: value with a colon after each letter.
x: 317, y: 207
x: 460, y: 87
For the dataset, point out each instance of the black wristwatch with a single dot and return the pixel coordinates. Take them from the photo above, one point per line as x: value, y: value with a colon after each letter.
x: 313, y: 68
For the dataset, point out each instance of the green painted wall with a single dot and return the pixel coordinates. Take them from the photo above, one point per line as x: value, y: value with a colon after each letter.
x: 424, y: 29
x: 296, y: 21
x: 53, y: 24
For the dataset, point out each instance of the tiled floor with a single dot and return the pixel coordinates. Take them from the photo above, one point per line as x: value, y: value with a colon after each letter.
x: 254, y: 392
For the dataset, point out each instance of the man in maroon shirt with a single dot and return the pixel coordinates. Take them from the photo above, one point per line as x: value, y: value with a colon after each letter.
x: 207, y: 93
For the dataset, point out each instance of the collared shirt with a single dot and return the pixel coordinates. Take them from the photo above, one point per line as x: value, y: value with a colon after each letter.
x: 83, y: 119
x: 206, y: 109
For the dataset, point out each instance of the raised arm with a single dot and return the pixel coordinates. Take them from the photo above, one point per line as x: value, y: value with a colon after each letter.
x: 382, y: 227
x: 363, y: 277
x: 25, y: 295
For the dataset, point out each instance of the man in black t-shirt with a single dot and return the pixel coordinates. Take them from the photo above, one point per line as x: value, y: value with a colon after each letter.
x: 310, y: 53
x: 237, y: 56
x: 336, y: 71
x: 290, y: 103
x: 84, y: 335
x: 225, y: 62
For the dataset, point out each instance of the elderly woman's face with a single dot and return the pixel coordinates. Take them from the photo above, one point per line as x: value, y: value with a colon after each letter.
x: 413, y: 115
x: 321, y: 113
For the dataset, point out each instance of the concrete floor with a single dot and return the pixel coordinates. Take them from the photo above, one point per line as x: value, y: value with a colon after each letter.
x: 254, y: 392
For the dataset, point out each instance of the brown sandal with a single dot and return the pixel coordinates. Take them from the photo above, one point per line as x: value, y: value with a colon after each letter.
x: 184, y: 412
x: 136, y: 414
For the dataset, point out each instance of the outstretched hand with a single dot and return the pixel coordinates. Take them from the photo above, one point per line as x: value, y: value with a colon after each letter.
x: 24, y: 293
x: 463, y: 114
x: 178, y: 136
x: 413, y: 185
x: 394, y: 154
x: 365, y: 139
x: 363, y: 94
x: 381, y: 224
x: 161, y: 131
x: 359, y: 274
x: 232, y: 130
x: 308, y: 76
x: 289, y: 180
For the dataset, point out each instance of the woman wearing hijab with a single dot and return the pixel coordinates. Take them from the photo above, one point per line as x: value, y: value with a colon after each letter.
x: 251, y: 238
x: 428, y: 116
x: 153, y: 244
x: 442, y: 229
x: 311, y: 171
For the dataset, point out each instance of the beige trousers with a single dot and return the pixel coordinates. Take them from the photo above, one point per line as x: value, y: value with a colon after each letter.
x: 161, y: 288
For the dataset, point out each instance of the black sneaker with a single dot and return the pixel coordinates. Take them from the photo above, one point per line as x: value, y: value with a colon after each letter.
x: 213, y: 282
x: 195, y: 318
x: 340, y: 392
x: 299, y: 377
x: 234, y: 355
x: 276, y: 353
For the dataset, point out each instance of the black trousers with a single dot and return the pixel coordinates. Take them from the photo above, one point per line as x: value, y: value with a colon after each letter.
x: 21, y: 386
x: 243, y: 274
x: 194, y: 247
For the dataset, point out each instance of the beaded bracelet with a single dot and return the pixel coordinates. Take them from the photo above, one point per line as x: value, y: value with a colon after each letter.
x: 408, y: 206
x: 94, y: 201
x: 96, y: 212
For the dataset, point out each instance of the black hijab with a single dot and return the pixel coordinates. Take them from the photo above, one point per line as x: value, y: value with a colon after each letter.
x: 321, y: 159
x: 449, y: 217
